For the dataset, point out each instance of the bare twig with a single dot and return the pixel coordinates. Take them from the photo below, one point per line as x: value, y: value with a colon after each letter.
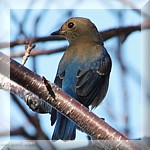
x: 39, y: 52
x: 28, y: 48
x: 34, y: 40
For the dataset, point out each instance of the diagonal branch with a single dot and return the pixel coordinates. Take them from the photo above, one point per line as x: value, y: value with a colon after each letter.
x: 37, y: 105
x: 64, y: 103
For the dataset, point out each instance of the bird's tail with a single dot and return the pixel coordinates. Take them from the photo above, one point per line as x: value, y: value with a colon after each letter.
x: 65, y: 129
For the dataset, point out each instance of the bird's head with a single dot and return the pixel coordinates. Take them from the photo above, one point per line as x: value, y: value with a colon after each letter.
x: 78, y: 28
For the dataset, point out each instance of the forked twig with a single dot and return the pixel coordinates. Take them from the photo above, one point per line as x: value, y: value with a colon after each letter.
x: 28, y: 48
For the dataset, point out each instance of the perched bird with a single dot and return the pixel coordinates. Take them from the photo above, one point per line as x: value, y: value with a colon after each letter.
x: 83, y: 71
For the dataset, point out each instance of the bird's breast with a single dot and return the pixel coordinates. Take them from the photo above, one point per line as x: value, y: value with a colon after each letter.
x: 81, y: 56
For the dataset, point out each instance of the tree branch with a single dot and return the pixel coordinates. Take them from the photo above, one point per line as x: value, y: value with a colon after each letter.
x: 107, y: 34
x: 65, y: 104
x: 37, y: 105
x: 39, y: 52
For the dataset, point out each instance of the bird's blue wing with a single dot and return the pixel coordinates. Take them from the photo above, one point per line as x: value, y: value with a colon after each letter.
x: 92, y: 84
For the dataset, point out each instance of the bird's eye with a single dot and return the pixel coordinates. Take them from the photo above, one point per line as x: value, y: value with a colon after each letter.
x: 70, y: 25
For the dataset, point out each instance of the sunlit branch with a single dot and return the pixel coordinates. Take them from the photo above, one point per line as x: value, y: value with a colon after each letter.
x: 54, y: 96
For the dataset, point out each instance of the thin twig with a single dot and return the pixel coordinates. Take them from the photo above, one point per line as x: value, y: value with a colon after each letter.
x: 28, y: 48
x: 39, y: 52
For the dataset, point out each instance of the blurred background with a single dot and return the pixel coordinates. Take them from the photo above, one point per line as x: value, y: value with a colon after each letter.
x: 122, y: 107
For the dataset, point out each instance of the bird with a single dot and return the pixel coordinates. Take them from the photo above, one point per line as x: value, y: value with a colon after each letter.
x: 83, y: 71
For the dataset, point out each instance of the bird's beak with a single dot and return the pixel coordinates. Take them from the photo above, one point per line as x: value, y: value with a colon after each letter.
x: 56, y: 33
x: 59, y: 32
